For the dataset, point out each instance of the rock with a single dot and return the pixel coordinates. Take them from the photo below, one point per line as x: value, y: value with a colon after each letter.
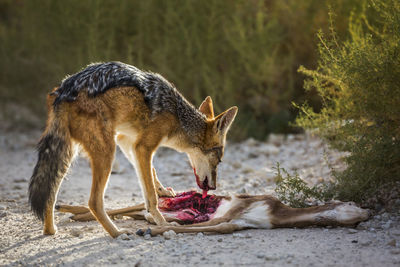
x: 2, y: 207
x: 395, y: 232
x: 247, y: 170
x: 270, y: 150
x: 169, y: 234
x: 260, y: 256
x: 89, y: 228
x: 248, y: 235
x: 239, y: 235
x: 220, y: 240
x: 21, y: 180
x: 75, y: 232
x: 387, y: 225
x: 385, y: 216
x: 251, y: 142
x: 253, y: 155
x: 395, y: 251
x: 200, y: 234
x: 123, y: 237
x: 352, y: 231
x: 237, y: 165
x: 366, y: 243
x: 392, y: 243
x: 363, y: 226
x: 243, y: 190
x: 147, y: 236
x: 276, y: 139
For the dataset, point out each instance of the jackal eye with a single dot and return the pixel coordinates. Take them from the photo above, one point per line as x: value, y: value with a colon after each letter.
x: 217, y: 151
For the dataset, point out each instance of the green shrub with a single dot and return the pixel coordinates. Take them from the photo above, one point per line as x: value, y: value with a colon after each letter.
x: 294, y: 191
x: 358, y: 81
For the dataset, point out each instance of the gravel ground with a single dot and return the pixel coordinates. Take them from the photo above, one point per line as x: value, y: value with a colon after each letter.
x: 247, y: 168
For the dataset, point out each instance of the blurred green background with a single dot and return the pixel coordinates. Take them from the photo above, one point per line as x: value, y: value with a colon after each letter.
x: 243, y: 52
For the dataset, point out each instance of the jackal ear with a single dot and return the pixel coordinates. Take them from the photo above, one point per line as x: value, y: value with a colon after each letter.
x: 207, y: 108
x: 224, y: 120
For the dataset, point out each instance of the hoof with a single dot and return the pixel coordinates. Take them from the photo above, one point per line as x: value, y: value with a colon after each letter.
x: 140, y: 232
x: 148, y: 232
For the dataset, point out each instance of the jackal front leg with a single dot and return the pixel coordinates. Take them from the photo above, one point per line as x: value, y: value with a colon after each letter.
x: 143, y: 155
x: 161, y: 190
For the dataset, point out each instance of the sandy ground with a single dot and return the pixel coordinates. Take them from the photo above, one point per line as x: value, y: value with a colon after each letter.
x: 247, y: 168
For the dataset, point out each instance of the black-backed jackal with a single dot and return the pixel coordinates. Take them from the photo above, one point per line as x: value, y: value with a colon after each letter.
x: 109, y: 104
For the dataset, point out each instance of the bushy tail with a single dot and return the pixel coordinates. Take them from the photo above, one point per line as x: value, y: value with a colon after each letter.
x: 55, y: 155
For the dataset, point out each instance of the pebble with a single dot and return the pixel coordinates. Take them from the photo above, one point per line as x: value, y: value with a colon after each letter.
x: 352, y: 231
x: 200, y: 234
x: 387, y: 225
x: 75, y: 232
x: 366, y: 243
x: 248, y: 235
x: 392, y: 243
x: 237, y: 165
x: 169, y: 234
x: 243, y: 191
x: 220, y: 240
x: 385, y: 216
x: 2, y: 207
x: 239, y: 235
x: 147, y: 236
x: 276, y: 139
x: 363, y: 226
x: 395, y: 232
x: 395, y: 251
x: 21, y: 180
x: 123, y: 236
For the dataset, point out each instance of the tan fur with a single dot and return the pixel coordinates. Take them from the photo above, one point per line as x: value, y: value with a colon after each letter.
x: 278, y: 214
x: 120, y: 116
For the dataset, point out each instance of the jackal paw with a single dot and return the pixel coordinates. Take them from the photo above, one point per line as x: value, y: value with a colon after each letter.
x: 51, y: 230
x: 166, y: 192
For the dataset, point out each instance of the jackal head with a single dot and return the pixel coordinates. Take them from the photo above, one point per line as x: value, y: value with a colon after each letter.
x: 206, y: 156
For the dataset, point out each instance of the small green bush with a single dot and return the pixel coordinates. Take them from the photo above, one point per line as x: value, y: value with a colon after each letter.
x: 294, y: 191
x: 358, y: 81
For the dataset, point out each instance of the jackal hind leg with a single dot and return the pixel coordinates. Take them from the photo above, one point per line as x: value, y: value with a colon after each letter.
x: 101, y: 151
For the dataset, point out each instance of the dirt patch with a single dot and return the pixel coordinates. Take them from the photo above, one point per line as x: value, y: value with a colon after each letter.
x: 247, y: 168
